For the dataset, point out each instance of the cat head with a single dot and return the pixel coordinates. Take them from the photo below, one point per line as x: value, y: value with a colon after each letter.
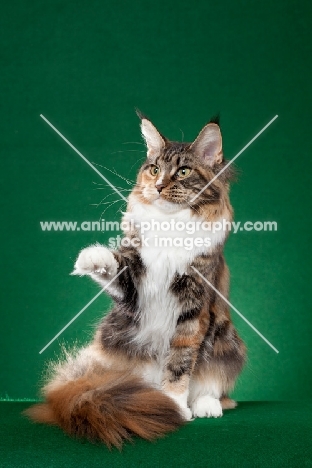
x: 175, y: 175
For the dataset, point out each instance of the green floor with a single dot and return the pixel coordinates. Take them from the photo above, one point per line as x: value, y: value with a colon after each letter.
x: 256, y: 434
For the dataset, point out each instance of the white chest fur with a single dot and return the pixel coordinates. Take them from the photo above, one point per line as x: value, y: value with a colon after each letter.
x: 165, y: 252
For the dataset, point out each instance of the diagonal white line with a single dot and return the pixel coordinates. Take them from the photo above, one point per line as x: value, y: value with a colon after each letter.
x: 83, y: 157
x: 232, y: 160
x: 237, y: 311
x: 82, y: 310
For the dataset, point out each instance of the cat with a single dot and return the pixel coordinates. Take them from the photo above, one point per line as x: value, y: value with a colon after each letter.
x: 167, y: 352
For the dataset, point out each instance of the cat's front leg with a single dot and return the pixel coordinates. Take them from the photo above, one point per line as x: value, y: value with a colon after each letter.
x: 192, y: 325
x: 102, y: 265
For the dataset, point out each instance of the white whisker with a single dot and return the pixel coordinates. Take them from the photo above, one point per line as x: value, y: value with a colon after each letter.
x: 109, y: 207
x: 129, y: 181
x: 123, y: 151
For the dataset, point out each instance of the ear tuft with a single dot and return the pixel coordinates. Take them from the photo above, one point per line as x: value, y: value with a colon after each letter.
x: 208, y: 144
x: 215, y: 119
x: 153, y: 139
x: 140, y: 114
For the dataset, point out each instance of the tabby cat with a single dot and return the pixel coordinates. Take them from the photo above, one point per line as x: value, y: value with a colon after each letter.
x: 167, y: 352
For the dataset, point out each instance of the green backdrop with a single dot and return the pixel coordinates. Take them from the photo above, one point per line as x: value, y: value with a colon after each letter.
x: 85, y: 66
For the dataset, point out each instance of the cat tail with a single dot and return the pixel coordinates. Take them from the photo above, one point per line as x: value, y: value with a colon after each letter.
x: 110, y: 408
x: 227, y: 403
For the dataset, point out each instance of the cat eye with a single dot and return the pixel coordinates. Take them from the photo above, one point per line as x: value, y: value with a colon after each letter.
x: 184, y: 172
x: 154, y: 170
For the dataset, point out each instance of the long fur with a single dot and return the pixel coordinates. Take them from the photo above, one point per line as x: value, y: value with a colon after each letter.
x: 167, y: 351
x: 110, y: 408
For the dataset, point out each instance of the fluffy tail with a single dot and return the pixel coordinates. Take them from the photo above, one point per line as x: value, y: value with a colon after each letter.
x: 227, y: 403
x: 110, y: 408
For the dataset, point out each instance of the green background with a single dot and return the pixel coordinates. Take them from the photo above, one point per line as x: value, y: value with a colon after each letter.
x: 85, y: 66
x: 256, y: 434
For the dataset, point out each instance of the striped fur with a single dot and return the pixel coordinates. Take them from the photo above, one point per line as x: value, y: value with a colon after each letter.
x: 167, y: 351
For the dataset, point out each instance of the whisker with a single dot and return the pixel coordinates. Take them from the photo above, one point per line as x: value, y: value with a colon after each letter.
x: 120, y: 211
x: 182, y: 134
x: 108, y: 202
x: 109, y: 194
x: 123, y: 151
x: 119, y: 188
x: 98, y: 204
x: 109, y: 207
x: 190, y: 205
x: 129, y: 181
x: 136, y: 163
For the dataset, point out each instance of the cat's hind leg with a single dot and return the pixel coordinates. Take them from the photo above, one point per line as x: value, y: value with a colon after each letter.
x: 220, y: 359
x: 218, y: 365
x: 205, y: 394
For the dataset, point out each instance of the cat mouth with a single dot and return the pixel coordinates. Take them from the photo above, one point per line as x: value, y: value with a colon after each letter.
x: 165, y: 202
x: 162, y: 197
x: 168, y: 205
x: 171, y: 199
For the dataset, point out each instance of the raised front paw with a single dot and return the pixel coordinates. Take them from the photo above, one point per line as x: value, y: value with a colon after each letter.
x: 96, y: 259
x: 206, y: 407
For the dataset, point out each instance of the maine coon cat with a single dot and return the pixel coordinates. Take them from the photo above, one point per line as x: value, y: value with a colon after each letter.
x: 167, y: 352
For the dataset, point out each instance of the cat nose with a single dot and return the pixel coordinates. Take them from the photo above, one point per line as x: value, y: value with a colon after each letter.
x: 159, y: 187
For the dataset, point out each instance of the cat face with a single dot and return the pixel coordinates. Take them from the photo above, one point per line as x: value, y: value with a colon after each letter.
x: 174, y: 173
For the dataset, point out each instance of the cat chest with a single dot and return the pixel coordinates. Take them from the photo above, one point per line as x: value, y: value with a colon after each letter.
x: 158, y: 307
x: 162, y: 265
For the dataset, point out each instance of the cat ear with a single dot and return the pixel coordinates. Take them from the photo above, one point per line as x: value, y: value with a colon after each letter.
x: 153, y: 139
x: 208, y: 144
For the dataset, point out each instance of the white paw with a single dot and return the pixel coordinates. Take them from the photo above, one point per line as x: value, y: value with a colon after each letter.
x: 95, y: 259
x: 186, y: 413
x: 207, y: 407
x: 180, y: 400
